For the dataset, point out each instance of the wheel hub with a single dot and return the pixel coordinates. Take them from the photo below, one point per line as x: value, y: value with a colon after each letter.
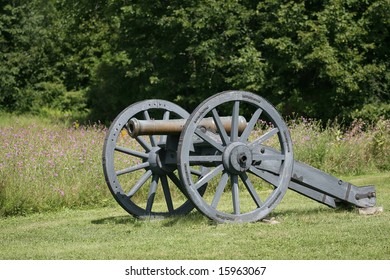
x: 237, y: 158
x: 156, y: 160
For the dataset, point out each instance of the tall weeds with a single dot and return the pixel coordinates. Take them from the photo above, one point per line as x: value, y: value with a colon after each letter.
x: 359, y: 149
x: 47, y: 166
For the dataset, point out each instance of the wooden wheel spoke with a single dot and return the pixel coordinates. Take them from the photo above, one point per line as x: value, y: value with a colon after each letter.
x: 209, y: 140
x: 251, y: 189
x: 217, y: 120
x: 131, y: 152
x: 251, y: 125
x: 133, y: 168
x: 196, y: 172
x: 208, y: 177
x: 219, y: 191
x: 143, y: 143
x: 151, y: 194
x: 265, y: 137
x: 167, y: 193
x: 235, y: 114
x: 140, y: 183
x: 174, y: 179
x: 151, y: 137
x: 235, y: 194
x: 266, y: 176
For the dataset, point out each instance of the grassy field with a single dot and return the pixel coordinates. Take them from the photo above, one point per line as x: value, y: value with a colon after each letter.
x: 307, y: 230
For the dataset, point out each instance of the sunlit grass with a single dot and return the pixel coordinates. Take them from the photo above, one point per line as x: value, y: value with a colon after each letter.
x: 307, y: 230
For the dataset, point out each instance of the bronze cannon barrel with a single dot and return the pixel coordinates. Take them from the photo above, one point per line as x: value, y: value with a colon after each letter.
x: 175, y: 126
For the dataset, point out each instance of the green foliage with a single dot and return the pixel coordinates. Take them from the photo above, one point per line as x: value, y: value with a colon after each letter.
x: 319, y: 59
x: 47, y: 54
x: 323, y: 56
x: 178, y: 51
x: 373, y: 112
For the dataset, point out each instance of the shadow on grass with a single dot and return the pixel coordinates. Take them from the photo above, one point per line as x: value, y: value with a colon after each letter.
x: 197, y: 218
x: 193, y: 217
x: 119, y: 220
x: 298, y: 212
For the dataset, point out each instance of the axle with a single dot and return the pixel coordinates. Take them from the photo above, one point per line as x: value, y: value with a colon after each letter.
x: 175, y: 126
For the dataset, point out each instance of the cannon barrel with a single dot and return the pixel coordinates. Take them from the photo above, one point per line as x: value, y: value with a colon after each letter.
x: 175, y: 126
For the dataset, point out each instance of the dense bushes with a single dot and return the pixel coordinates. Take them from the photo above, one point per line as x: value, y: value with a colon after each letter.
x: 320, y: 59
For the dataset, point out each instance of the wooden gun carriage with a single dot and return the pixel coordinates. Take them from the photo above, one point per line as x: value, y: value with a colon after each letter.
x: 233, y: 168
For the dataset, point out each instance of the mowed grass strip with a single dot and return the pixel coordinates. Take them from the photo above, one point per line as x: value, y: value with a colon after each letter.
x: 307, y: 230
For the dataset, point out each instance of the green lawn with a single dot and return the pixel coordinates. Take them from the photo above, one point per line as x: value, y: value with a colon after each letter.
x: 307, y: 230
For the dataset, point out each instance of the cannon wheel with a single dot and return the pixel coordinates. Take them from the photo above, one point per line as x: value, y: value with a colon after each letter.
x: 251, y: 169
x: 133, y: 169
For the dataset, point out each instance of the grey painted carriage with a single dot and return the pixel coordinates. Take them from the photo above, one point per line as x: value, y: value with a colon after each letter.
x: 232, y: 159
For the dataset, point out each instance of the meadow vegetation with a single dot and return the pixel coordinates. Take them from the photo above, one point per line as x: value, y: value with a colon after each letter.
x: 46, y: 165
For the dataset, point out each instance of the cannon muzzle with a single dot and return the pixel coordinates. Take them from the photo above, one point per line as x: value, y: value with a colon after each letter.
x: 175, y: 126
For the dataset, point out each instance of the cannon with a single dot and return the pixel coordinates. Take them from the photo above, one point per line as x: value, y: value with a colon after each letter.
x: 231, y: 158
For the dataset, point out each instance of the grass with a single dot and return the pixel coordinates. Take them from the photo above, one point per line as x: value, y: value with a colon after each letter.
x: 45, y: 166
x: 307, y: 230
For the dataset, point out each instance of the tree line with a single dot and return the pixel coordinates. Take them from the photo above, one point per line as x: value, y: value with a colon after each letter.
x: 320, y: 59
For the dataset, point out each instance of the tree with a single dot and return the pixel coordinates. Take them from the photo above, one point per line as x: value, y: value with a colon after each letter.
x: 320, y: 59
x: 327, y: 59
x: 179, y: 51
